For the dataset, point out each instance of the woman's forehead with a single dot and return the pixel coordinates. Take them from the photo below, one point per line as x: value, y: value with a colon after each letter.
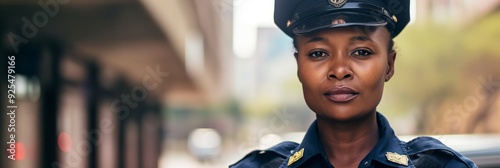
x: 379, y: 32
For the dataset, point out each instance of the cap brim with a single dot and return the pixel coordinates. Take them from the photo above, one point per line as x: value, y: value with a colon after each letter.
x: 335, y: 20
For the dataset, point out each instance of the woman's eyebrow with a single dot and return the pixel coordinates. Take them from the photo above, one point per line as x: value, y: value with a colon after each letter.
x: 360, y: 38
x: 315, y: 39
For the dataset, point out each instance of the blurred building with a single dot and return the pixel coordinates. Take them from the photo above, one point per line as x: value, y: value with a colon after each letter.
x: 93, y: 77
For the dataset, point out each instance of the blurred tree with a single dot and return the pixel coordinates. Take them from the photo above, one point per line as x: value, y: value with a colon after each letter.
x: 441, y: 73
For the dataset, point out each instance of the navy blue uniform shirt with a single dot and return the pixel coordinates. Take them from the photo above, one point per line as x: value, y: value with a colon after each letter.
x: 388, y: 152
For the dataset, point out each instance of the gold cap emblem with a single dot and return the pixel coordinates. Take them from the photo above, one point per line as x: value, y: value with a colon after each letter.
x: 395, y: 18
x: 397, y: 158
x: 337, y: 3
x: 296, y: 156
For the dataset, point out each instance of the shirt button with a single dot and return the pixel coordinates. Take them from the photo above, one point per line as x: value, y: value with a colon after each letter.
x: 291, y: 151
x: 262, y: 152
x: 366, y: 163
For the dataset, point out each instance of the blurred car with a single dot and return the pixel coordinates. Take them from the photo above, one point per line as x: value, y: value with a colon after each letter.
x: 204, y: 143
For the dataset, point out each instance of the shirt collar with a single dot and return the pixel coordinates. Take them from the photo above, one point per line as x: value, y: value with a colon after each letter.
x: 388, y: 142
x: 311, y: 145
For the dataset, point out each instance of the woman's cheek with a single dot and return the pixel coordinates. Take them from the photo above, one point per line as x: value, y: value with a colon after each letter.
x: 373, y: 78
x: 370, y: 72
x: 311, y: 74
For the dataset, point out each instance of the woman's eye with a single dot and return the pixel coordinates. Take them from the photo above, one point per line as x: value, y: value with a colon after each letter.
x: 317, y: 54
x: 362, y: 53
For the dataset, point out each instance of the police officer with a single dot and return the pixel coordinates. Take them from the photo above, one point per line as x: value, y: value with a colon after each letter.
x: 344, y: 53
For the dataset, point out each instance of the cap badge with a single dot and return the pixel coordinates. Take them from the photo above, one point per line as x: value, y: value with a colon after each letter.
x: 296, y: 156
x: 395, y: 18
x: 337, y: 3
x: 397, y: 158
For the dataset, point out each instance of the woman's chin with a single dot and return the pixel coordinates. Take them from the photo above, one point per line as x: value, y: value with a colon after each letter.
x: 343, y: 114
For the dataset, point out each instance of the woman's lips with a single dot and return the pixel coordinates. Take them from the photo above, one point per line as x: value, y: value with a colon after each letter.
x: 341, y: 94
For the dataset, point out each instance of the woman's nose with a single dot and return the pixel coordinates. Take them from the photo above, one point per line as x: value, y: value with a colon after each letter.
x: 340, y: 69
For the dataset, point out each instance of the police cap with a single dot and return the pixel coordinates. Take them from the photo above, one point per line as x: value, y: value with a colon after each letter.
x: 296, y: 17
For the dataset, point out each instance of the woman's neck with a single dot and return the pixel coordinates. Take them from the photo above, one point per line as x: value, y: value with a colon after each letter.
x: 346, y: 143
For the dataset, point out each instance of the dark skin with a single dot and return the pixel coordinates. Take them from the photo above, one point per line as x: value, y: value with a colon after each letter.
x: 358, y: 62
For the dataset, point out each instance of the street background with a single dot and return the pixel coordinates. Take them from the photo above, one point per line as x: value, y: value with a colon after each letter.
x: 200, y: 83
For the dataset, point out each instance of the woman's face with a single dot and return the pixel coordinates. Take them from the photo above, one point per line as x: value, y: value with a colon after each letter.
x: 343, y: 70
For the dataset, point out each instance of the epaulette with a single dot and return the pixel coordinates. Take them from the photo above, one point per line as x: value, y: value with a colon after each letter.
x: 431, y: 153
x: 269, y: 158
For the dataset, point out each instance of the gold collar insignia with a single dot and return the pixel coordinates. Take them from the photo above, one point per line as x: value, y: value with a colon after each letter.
x: 296, y: 156
x: 397, y: 158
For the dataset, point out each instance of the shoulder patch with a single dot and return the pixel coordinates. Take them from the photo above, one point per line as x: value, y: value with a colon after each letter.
x: 267, y: 158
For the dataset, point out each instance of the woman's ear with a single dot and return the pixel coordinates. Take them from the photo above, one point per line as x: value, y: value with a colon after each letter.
x: 390, y: 65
